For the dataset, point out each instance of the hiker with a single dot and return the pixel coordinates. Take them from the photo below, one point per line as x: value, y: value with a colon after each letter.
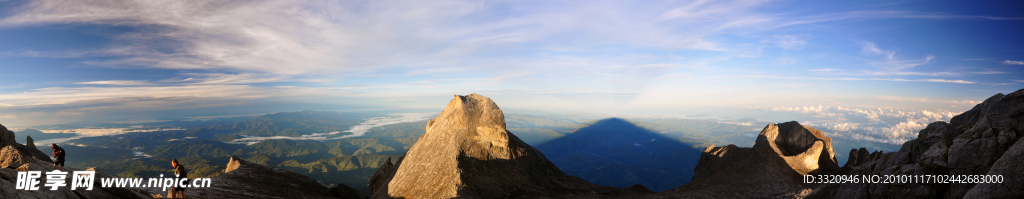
x: 179, y: 173
x: 58, y: 157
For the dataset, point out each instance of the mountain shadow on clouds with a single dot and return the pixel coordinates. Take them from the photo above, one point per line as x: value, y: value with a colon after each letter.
x: 615, y: 152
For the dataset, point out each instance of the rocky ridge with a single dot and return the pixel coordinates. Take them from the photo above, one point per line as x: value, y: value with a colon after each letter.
x: 467, y: 153
x: 982, y: 141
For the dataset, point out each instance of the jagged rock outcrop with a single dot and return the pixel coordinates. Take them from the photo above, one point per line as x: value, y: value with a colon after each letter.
x: 859, y: 157
x: 773, y: 168
x: 30, y: 147
x: 242, y: 179
x: 6, y: 136
x: 16, y: 157
x: 982, y: 141
x: 467, y: 153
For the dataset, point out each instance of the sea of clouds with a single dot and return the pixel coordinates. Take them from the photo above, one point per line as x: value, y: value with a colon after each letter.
x: 877, y: 124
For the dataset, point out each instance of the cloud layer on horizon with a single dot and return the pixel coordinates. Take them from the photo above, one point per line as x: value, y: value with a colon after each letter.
x: 876, y: 125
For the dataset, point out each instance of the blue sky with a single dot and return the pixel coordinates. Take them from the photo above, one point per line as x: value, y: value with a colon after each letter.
x: 150, y: 60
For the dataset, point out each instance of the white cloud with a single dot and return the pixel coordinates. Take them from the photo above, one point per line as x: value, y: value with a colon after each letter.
x: 826, y: 70
x: 947, y: 81
x: 872, y: 48
x: 877, y: 125
x: 1009, y: 62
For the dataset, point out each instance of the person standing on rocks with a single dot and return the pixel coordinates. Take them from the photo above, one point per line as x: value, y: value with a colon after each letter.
x: 58, y: 157
x: 179, y: 173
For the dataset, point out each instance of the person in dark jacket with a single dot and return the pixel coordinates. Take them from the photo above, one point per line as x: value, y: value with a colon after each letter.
x: 179, y: 173
x: 58, y: 157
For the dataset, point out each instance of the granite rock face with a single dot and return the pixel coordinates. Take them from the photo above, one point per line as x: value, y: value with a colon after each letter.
x: 982, y: 141
x: 773, y: 168
x: 467, y: 153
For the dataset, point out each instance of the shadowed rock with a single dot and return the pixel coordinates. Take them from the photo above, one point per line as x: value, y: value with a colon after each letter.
x: 859, y: 157
x: 345, y: 192
x: 467, y: 152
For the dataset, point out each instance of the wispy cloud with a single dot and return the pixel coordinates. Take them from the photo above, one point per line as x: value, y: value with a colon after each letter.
x: 988, y: 72
x: 788, y: 42
x: 1010, y: 62
x: 872, y: 48
x: 947, y: 81
x: 117, y: 82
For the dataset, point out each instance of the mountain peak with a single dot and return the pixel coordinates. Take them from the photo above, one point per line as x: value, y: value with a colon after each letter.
x: 773, y: 168
x: 804, y: 148
x: 467, y: 152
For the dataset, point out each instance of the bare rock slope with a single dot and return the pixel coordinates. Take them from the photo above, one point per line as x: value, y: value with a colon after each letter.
x: 467, y: 153
x: 242, y: 179
x: 982, y: 141
x: 773, y: 168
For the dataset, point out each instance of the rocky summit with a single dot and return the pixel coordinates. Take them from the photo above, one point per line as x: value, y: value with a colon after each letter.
x: 982, y: 141
x: 773, y: 168
x: 467, y: 153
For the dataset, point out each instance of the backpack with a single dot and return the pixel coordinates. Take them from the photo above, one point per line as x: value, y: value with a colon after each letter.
x: 60, y: 153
